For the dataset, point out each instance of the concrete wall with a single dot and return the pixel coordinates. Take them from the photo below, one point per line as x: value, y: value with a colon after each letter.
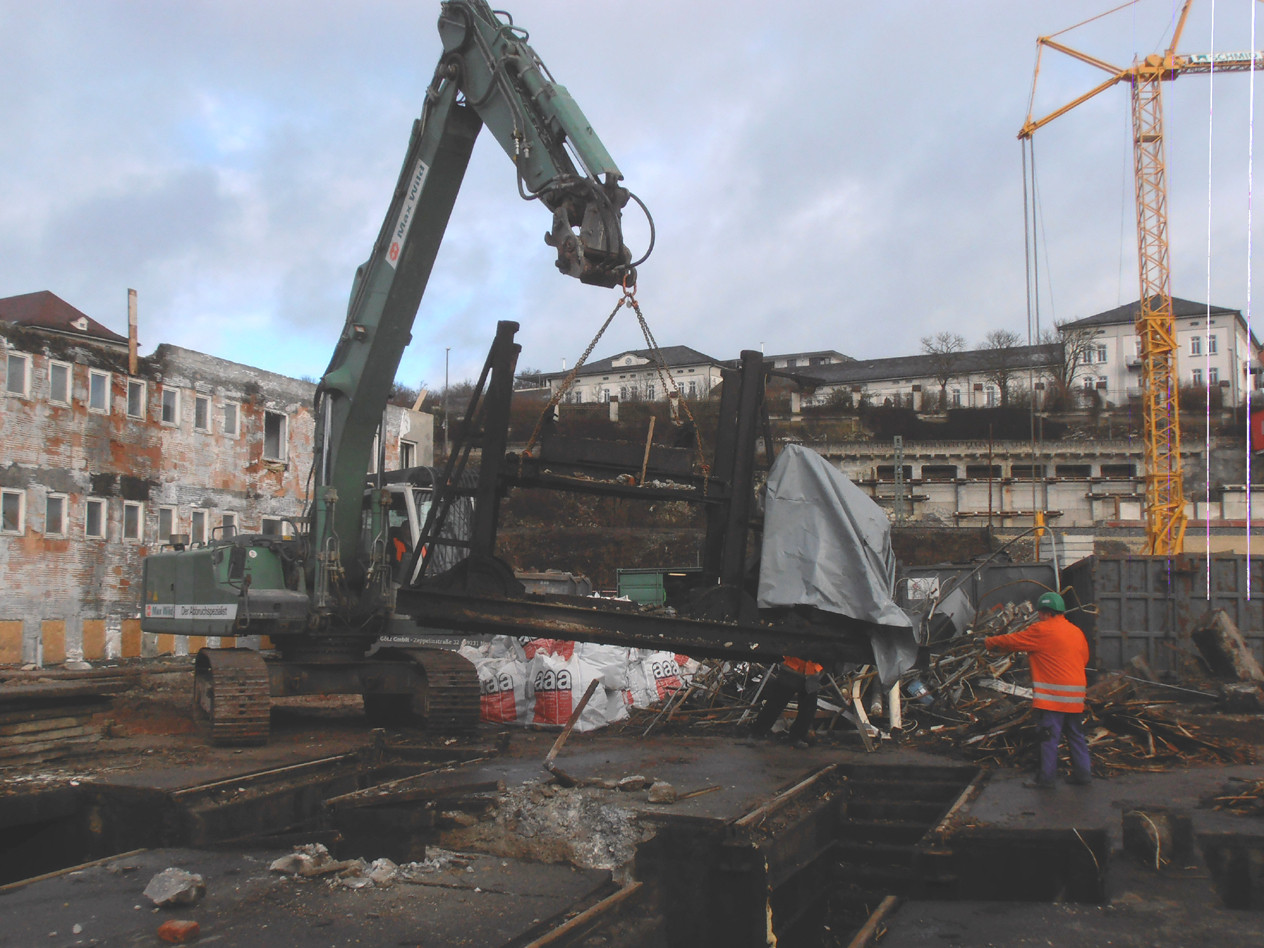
x: 1083, y: 486
x: 67, y: 596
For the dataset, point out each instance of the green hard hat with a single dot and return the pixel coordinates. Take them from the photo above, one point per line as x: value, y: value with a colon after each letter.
x: 1051, y: 601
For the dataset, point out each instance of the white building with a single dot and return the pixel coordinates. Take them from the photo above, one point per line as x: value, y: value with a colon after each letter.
x: 1214, y: 349
x: 916, y: 381
x: 634, y: 375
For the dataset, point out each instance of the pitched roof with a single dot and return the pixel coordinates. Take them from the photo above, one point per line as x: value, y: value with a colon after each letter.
x: 1128, y: 313
x: 830, y: 353
x: 924, y: 366
x: 672, y: 356
x: 45, y: 310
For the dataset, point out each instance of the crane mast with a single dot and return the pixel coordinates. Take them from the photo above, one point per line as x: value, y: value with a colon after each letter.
x: 1164, y: 482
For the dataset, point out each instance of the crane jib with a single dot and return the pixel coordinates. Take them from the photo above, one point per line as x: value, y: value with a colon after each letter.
x: 405, y: 219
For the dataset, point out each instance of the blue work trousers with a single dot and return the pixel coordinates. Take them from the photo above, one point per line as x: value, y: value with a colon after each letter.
x: 1056, y: 723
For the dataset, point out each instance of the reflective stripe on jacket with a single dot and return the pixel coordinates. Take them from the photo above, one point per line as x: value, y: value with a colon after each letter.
x: 1059, y: 653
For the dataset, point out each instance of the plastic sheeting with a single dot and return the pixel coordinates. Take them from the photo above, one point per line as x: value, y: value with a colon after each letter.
x: 828, y: 545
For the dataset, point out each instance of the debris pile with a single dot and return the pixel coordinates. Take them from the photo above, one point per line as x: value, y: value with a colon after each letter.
x: 970, y: 701
x: 1244, y: 800
x: 314, y: 861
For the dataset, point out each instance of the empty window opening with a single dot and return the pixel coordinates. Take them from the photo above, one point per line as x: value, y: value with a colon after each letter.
x: 1027, y: 472
x: 135, y: 398
x: 167, y: 523
x: 201, y: 413
x: 274, y: 436
x: 886, y: 472
x: 94, y: 518
x: 197, y: 526
x: 276, y: 527
x: 170, y: 406
x: 55, y: 515
x: 12, y: 511
x: 939, y: 472
x: 133, y: 519
x: 232, y: 415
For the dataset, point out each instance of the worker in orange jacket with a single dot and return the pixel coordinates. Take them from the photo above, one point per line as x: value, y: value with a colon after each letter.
x: 794, y: 677
x: 1059, y: 655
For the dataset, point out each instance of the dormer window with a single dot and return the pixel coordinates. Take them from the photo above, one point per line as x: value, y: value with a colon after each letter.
x: 81, y: 323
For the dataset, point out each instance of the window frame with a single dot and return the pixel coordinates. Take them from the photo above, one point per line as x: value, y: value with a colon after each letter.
x: 106, y: 386
x: 133, y: 384
x: 162, y: 407
x: 6, y: 493
x: 25, y: 360
x: 1197, y: 376
x: 235, y: 429
x: 1196, y: 345
x: 96, y: 503
x: 1213, y: 347
x: 70, y: 382
x: 228, y: 519
x: 407, y: 447
x: 139, y: 533
x: 64, y: 526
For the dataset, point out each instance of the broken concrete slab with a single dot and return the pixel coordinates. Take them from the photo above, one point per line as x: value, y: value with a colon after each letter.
x: 175, y: 886
x: 1225, y: 650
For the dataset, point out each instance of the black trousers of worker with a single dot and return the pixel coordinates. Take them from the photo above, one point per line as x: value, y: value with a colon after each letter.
x: 784, y: 685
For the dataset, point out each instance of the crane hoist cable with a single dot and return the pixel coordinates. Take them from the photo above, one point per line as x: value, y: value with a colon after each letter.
x: 670, y: 387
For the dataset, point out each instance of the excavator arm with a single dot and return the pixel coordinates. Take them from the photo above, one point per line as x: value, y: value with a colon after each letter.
x: 488, y: 75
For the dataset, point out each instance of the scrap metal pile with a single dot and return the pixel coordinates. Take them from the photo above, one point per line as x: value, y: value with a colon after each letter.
x: 967, y: 701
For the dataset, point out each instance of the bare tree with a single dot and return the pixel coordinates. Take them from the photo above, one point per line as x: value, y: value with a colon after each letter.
x: 1002, y: 364
x: 944, y: 350
x: 529, y: 379
x: 1077, y: 350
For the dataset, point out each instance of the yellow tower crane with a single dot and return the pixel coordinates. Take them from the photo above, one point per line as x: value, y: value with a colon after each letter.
x: 1165, y: 492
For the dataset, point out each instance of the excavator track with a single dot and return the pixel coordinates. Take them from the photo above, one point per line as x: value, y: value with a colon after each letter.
x: 232, y: 696
x: 453, y: 700
x: 447, y: 698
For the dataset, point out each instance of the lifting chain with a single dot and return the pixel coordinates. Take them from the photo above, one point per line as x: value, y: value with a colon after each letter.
x: 670, y: 388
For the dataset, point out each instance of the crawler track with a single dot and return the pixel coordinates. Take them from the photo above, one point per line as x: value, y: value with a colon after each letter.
x: 452, y: 704
x: 231, y: 695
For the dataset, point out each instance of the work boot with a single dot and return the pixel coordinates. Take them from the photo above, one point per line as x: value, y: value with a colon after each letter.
x: 1041, y: 783
x: 1080, y: 780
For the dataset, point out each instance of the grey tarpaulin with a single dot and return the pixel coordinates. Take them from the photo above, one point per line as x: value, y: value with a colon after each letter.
x: 828, y: 545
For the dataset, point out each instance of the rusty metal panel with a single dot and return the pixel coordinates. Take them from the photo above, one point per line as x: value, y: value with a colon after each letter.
x: 1147, y: 606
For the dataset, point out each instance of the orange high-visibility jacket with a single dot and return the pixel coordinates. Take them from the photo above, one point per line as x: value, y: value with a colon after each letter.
x: 803, y: 666
x: 1059, y: 653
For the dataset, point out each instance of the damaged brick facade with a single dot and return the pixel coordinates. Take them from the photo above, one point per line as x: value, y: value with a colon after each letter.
x: 101, y: 465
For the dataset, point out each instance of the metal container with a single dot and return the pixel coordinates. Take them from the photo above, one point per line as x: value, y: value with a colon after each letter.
x: 1148, y: 606
x: 986, y: 585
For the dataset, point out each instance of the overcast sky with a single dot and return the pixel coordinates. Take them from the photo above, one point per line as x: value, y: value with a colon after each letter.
x: 822, y: 175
